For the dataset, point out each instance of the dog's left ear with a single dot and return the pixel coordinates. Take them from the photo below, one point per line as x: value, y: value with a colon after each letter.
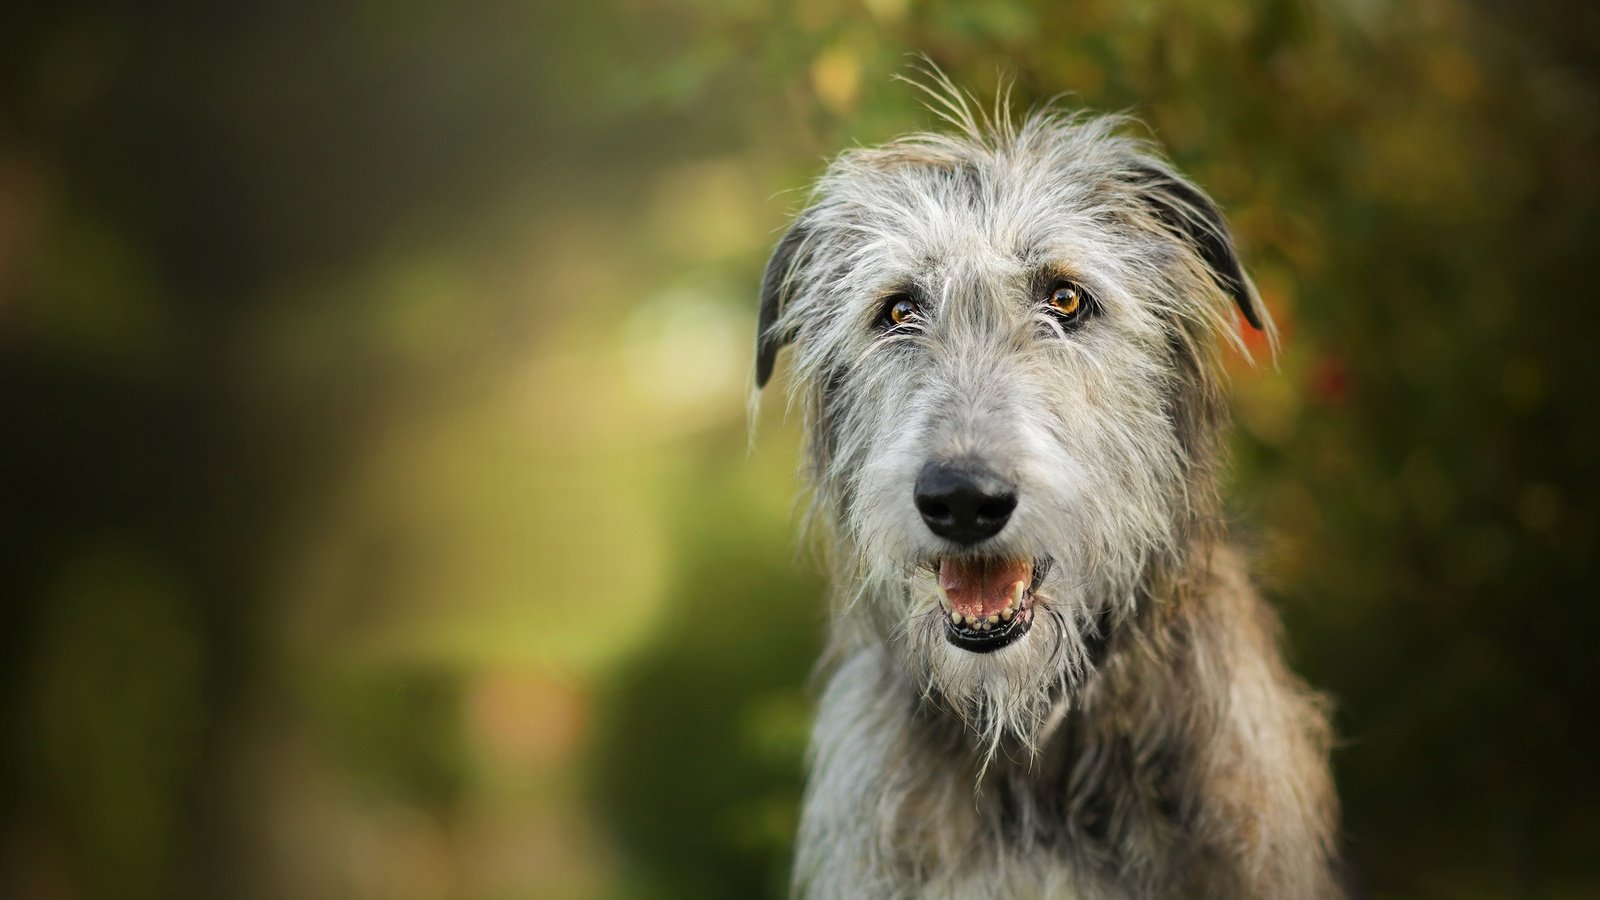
x: 776, y: 287
x: 1190, y: 213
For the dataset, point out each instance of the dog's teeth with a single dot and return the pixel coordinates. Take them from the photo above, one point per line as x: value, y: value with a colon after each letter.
x: 971, y: 621
x: 993, y: 619
x: 943, y: 594
x: 955, y: 618
x: 987, y: 626
x: 1006, y: 613
x: 1016, y: 592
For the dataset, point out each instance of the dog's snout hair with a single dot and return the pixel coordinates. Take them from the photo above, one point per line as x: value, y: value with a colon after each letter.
x: 1048, y: 674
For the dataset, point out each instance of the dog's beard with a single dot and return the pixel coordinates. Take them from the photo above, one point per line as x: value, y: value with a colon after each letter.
x: 1010, y: 698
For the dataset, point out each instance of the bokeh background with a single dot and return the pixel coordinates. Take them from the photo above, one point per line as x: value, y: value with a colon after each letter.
x: 380, y: 518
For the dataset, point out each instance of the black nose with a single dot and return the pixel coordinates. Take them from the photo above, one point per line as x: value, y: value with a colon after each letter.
x: 963, y: 501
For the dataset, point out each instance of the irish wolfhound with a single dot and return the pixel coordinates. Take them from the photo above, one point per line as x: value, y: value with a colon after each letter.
x: 1048, y: 674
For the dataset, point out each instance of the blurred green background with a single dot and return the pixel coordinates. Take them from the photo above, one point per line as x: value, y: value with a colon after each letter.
x: 380, y: 516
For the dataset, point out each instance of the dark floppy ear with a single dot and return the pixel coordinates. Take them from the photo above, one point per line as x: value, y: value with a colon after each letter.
x: 1190, y: 213
x: 776, y: 286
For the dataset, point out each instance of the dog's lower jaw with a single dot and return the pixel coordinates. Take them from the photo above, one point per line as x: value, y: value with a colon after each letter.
x: 1196, y: 771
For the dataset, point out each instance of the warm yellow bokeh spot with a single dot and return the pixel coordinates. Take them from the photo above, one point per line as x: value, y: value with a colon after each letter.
x: 836, y: 77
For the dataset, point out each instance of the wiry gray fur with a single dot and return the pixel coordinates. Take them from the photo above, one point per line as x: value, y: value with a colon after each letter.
x: 1144, y: 739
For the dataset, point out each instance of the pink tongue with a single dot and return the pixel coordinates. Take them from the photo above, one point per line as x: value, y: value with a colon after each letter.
x: 981, y: 587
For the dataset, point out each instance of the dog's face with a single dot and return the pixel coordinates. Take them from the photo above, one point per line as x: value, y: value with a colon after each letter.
x: 1006, y: 349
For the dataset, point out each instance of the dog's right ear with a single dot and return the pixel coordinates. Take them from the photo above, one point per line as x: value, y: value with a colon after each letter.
x: 776, y: 287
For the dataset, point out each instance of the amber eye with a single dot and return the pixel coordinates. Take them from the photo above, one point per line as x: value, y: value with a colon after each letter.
x: 1066, y: 299
x: 1068, y: 303
x: 898, y: 310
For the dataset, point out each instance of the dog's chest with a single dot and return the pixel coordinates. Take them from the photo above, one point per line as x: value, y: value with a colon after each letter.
x: 1014, y: 843
x: 1020, y: 877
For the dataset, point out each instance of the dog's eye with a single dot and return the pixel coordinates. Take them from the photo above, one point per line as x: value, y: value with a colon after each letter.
x: 898, y: 310
x: 1067, y: 300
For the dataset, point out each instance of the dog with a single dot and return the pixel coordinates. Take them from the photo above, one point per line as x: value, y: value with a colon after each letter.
x: 1047, y: 673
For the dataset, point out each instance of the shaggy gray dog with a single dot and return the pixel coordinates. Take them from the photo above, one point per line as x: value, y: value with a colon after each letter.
x: 1048, y: 674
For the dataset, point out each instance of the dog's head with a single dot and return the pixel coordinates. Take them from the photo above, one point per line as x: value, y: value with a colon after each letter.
x: 1006, y: 345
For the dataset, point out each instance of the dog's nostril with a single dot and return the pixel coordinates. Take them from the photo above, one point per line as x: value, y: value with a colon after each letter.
x: 965, y: 502
x: 998, y: 508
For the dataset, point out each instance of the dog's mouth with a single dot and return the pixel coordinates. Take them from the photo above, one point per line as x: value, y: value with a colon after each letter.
x: 988, y: 601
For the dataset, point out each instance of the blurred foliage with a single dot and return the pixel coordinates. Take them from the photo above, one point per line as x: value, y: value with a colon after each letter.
x: 381, y: 514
